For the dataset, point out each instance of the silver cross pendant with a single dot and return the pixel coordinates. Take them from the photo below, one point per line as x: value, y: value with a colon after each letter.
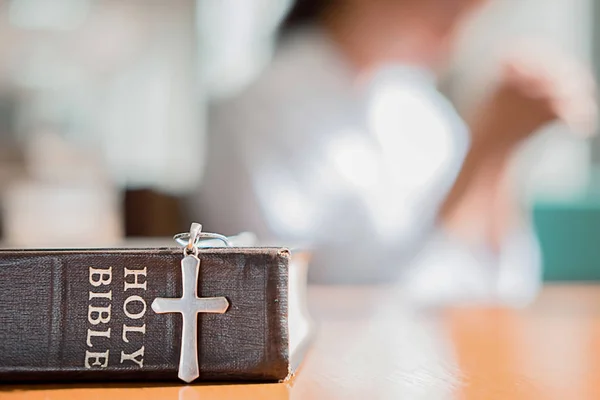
x: 189, y: 305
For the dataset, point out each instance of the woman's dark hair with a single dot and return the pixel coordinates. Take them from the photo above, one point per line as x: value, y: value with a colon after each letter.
x: 304, y: 12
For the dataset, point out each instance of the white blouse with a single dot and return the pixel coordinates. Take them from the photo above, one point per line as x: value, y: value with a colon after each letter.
x: 354, y: 167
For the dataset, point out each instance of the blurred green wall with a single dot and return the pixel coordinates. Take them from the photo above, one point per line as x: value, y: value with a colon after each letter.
x: 569, y: 233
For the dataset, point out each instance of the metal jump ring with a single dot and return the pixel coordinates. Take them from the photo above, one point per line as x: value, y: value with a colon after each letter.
x: 190, y: 246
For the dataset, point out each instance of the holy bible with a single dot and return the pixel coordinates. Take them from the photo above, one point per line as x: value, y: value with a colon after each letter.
x: 120, y: 315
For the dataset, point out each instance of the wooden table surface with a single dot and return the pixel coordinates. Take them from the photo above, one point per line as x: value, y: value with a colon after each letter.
x: 372, y: 345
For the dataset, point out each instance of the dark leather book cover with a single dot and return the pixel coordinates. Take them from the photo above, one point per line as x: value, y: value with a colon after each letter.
x: 57, y: 307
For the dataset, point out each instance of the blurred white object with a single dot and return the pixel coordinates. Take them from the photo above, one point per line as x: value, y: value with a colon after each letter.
x: 44, y: 14
x: 447, y: 271
x: 61, y: 215
x: 236, y: 41
x: 50, y: 158
x: 67, y: 199
x: 119, y: 77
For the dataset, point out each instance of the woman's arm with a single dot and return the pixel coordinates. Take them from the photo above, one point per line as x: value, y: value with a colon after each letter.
x: 482, y: 206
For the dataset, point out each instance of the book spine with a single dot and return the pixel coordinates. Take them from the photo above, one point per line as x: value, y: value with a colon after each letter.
x: 87, y: 316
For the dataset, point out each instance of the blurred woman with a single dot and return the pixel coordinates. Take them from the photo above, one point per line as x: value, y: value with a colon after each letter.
x: 345, y: 144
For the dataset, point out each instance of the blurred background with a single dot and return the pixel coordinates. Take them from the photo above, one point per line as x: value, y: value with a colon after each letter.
x: 105, y: 110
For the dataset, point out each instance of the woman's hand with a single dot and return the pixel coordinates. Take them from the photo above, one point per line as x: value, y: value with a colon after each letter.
x: 533, y: 90
x: 536, y: 88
